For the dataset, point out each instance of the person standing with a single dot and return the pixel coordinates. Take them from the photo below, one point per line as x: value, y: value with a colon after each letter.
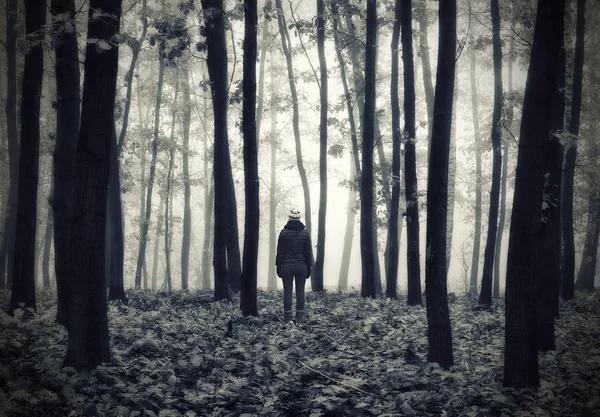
x: 294, y: 262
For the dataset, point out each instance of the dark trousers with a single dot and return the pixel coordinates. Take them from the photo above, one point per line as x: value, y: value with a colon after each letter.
x: 289, y: 272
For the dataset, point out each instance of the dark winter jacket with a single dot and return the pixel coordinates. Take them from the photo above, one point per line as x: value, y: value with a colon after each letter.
x: 294, y: 245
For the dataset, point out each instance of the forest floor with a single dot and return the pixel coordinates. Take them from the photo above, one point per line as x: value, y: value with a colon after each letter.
x: 172, y: 355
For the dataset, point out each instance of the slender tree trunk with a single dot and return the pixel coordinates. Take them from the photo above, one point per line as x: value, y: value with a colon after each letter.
x: 114, y: 229
x: 438, y: 317
x: 348, y: 232
x: 520, y: 354
x: 478, y: 145
x: 587, y: 269
x: 317, y: 277
x: 208, y: 226
x: 260, y: 99
x: 366, y: 202
x: 168, y: 214
x: 88, y: 343
x: 47, y: 249
x: 410, y: 165
x: 23, y: 284
x: 423, y: 19
x: 187, y: 192
x: 568, y: 279
x: 214, y: 16
x: 286, y: 45
x: 485, y: 297
x: 452, y: 175
x: 272, y: 277
x: 392, y: 235
x: 159, y: 223
x: 8, y: 242
x: 148, y: 211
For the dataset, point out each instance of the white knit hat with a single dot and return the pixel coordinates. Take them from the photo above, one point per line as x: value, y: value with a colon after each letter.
x: 294, y: 214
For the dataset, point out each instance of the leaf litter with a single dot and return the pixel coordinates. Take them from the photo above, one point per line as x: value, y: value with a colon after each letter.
x: 181, y: 354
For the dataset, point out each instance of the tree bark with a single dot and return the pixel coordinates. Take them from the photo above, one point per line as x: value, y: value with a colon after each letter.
x: 208, y: 226
x: 286, y: 45
x: 159, y: 224
x: 520, y: 354
x: 423, y: 19
x: 23, y: 284
x: 151, y: 175
x: 47, y: 249
x: 392, y: 233
x: 187, y: 192
x: 169, y: 196
x: 272, y: 277
x: 485, y: 296
x: 438, y: 317
x: 477, y: 231
x: 88, y: 343
x: 568, y: 278
x: 214, y: 17
x: 366, y: 201
x: 252, y: 216
x: 317, y: 277
x: 8, y: 242
x: 114, y: 228
x: 410, y: 163
x: 589, y: 259
x: 348, y: 232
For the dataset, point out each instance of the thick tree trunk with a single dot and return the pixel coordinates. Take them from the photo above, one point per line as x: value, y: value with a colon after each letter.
x: 151, y: 175
x: 520, y: 354
x: 187, y: 192
x: 485, y: 296
x: 317, y: 277
x: 366, y: 202
x: 272, y: 277
x: 214, y: 17
x: 159, y: 225
x: 8, y: 241
x: 23, y: 284
x: 286, y: 45
x: 477, y: 231
x: 568, y: 278
x: 252, y: 217
x: 88, y: 343
x: 438, y: 317
x: 392, y: 232
x: 410, y: 163
x: 589, y: 259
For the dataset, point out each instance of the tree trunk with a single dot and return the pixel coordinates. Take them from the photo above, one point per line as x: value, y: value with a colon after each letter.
x: 214, y: 17
x: 168, y: 214
x: 272, y: 277
x: 392, y: 233
x: 208, y: 226
x: 423, y: 19
x: 8, y: 241
x: 410, y: 164
x: 144, y: 145
x: 159, y: 220
x: 47, y: 249
x: 568, y: 278
x: 187, y: 210
x: 477, y: 231
x: 88, y: 343
x: 286, y: 45
x: 317, y: 275
x: 348, y: 232
x: 452, y: 176
x: 366, y: 189
x: 587, y: 269
x: 23, y: 285
x: 438, y: 317
x: 520, y: 354
x: 485, y: 296
x: 252, y: 216
x: 260, y: 99
x: 151, y: 175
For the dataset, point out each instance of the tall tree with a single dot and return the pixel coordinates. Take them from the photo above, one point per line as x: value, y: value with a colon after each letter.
x: 23, y: 285
x: 214, y: 20
x: 485, y: 296
x: 251, y: 181
x: 286, y: 46
x: 368, y: 134
x: 114, y: 228
x: 159, y: 232
x: 568, y: 278
x: 422, y: 17
x: 272, y: 278
x: 477, y: 230
x: 410, y: 162
x: 68, y: 111
x: 392, y: 235
x: 47, y: 249
x: 438, y: 316
x: 317, y: 281
x: 520, y: 352
x: 88, y: 343
x: 187, y: 210
x: 8, y: 240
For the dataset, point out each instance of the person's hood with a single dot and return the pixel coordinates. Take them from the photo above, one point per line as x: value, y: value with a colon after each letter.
x: 294, y: 225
